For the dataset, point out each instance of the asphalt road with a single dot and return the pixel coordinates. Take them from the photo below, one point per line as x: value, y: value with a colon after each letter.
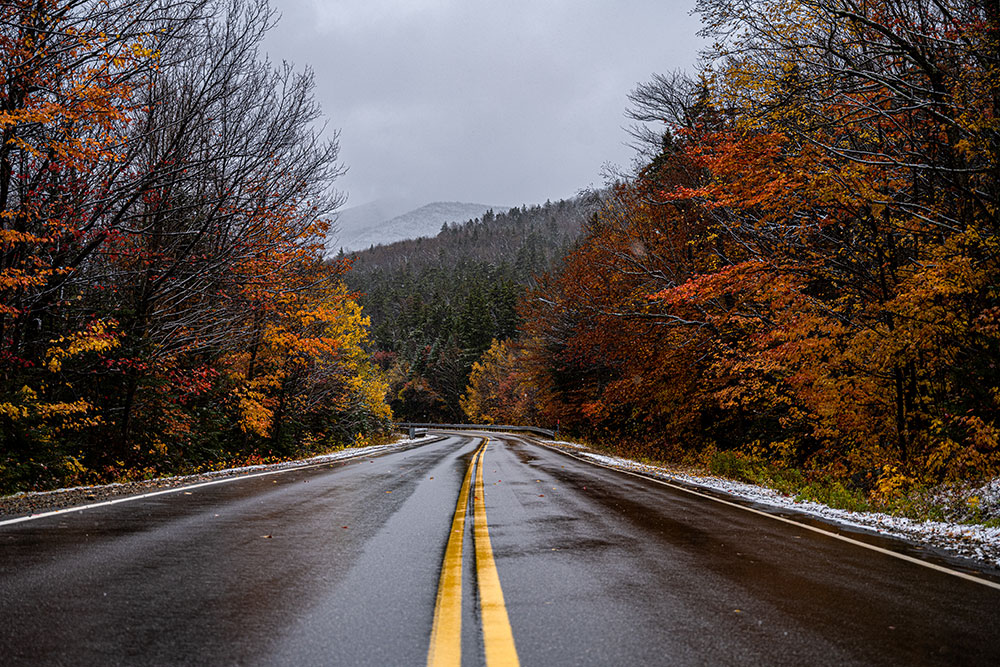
x: 342, y: 564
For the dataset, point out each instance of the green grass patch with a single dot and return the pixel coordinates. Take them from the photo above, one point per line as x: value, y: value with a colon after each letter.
x: 833, y: 493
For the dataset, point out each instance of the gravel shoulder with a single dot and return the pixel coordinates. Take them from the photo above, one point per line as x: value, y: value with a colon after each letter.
x: 29, y: 504
x: 975, y: 542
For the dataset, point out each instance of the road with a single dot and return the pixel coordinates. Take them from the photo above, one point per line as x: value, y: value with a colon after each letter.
x: 350, y: 564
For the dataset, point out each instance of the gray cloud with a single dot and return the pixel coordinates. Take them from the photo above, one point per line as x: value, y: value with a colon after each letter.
x: 496, y: 102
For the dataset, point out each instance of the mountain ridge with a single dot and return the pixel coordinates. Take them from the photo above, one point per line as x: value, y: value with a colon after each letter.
x: 359, y: 228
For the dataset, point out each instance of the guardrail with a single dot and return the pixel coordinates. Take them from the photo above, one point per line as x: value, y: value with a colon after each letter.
x: 413, y: 426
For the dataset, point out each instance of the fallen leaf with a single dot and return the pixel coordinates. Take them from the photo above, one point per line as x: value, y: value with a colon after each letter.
x: 344, y: 527
x: 266, y: 537
x: 541, y: 495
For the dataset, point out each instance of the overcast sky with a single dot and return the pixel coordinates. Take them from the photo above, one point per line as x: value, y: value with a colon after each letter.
x: 501, y: 102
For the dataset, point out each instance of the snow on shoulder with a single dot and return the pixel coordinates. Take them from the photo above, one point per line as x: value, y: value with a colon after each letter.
x: 975, y: 541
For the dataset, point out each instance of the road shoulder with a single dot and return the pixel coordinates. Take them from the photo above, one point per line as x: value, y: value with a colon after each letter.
x: 968, y: 547
x: 22, y: 505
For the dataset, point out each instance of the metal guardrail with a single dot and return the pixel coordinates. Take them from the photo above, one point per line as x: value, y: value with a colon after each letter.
x: 478, y: 427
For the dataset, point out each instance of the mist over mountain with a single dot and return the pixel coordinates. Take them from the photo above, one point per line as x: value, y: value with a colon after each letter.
x: 387, y: 221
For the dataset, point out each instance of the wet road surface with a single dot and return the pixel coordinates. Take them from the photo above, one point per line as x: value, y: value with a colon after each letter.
x: 342, y: 564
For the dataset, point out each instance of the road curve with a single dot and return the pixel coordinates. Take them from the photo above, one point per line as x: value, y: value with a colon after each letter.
x: 343, y: 563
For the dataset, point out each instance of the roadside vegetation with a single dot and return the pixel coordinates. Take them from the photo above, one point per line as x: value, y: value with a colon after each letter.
x: 800, y: 285
x: 164, y: 303
x: 972, y: 501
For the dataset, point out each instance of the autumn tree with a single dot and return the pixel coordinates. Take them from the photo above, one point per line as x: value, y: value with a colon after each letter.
x: 500, y: 391
x: 69, y: 178
x: 803, y: 267
x: 162, y: 193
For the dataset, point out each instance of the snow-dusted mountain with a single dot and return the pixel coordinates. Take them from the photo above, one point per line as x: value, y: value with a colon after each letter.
x: 354, y: 220
x: 364, y: 226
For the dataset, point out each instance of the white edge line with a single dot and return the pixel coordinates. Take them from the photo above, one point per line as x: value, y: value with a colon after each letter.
x: 125, y: 499
x: 821, y: 531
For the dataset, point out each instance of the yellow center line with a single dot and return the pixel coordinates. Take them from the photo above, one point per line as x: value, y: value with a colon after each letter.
x: 497, y: 635
x: 446, y: 632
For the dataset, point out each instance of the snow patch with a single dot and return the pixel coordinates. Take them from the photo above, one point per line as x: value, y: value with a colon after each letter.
x: 979, y: 542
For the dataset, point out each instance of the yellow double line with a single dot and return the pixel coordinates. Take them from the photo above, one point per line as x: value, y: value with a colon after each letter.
x: 446, y: 633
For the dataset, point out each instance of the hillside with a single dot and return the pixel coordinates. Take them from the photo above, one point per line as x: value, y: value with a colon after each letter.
x: 354, y: 220
x: 387, y: 221
x: 437, y: 303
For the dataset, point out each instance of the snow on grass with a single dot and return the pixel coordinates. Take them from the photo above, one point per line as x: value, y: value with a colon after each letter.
x: 974, y: 541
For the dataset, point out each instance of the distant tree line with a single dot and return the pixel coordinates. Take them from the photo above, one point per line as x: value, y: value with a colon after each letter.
x: 437, y: 304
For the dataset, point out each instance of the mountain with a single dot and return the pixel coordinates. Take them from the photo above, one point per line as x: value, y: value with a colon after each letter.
x: 355, y: 220
x: 377, y: 223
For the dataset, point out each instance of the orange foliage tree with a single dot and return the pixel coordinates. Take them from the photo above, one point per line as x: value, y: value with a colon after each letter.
x: 499, y: 390
x: 162, y: 192
x: 806, y: 268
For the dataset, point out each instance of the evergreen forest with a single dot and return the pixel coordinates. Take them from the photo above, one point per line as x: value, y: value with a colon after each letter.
x: 437, y: 304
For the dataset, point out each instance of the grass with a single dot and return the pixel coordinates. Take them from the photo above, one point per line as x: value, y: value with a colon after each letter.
x: 953, y: 503
x: 789, y: 481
